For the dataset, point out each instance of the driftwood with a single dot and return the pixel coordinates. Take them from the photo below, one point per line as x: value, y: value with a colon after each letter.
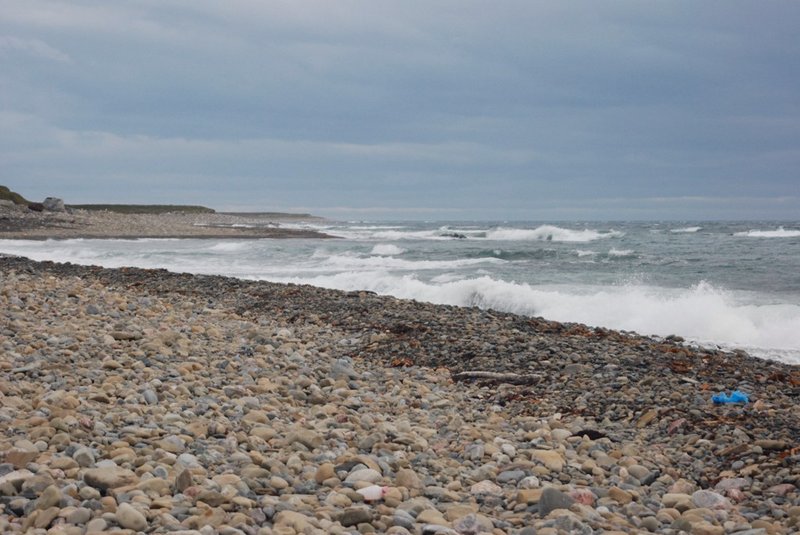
x: 498, y: 377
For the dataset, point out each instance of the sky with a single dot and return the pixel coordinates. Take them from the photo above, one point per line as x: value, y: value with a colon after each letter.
x: 508, y: 110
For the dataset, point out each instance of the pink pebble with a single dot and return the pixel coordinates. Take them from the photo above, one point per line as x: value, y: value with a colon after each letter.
x: 583, y: 496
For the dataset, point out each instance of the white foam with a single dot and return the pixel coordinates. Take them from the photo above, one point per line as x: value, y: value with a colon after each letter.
x: 685, y: 230
x: 354, y: 262
x: 387, y: 249
x: 229, y: 246
x: 550, y: 233
x: 702, y: 313
x: 375, y: 227
x: 582, y: 253
x: 621, y: 252
x: 780, y: 232
x: 388, y: 234
x: 541, y: 233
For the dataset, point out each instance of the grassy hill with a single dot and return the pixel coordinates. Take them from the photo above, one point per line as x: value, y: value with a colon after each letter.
x: 145, y: 208
x: 8, y: 195
x: 16, y: 198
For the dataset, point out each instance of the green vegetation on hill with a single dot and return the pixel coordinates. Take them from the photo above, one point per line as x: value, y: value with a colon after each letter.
x: 8, y: 195
x: 145, y: 208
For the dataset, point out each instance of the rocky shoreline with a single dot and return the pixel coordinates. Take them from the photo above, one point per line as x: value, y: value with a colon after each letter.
x: 143, y: 401
x: 18, y: 222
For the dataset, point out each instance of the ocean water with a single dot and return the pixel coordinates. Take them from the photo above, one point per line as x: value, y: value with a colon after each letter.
x: 730, y: 285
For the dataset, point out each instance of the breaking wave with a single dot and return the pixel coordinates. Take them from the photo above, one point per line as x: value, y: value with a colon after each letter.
x: 780, y: 232
x: 702, y: 313
x: 387, y: 249
x: 621, y: 252
x: 550, y: 233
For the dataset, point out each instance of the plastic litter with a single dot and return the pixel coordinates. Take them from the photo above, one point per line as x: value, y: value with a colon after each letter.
x: 373, y: 492
x: 735, y: 397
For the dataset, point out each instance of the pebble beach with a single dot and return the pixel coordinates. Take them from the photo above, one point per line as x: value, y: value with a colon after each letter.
x: 143, y: 401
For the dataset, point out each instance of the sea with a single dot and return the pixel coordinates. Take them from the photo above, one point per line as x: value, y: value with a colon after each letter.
x: 729, y: 285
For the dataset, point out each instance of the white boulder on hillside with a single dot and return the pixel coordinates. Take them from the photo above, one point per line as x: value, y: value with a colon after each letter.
x: 54, y: 204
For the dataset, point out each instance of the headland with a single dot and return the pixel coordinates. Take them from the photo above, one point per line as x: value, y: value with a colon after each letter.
x: 146, y: 221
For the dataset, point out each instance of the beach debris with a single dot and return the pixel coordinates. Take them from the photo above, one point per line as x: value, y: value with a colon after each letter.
x: 735, y: 397
x: 500, y: 377
x: 676, y: 425
x: 373, y: 492
x: 591, y: 434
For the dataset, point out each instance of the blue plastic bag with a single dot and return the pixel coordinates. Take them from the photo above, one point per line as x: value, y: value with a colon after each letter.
x: 735, y: 397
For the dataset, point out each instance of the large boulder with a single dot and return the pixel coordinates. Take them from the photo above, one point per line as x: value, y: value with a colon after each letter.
x: 54, y: 204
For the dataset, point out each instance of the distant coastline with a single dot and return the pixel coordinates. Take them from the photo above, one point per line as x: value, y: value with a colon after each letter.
x: 144, y: 208
x: 22, y: 219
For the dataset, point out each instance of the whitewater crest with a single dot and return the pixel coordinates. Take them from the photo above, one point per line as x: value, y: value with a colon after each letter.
x: 780, y: 232
x: 686, y: 230
x: 704, y: 313
x: 551, y: 233
x: 387, y: 249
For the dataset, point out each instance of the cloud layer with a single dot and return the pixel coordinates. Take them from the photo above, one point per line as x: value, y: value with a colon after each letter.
x: 522, y: 110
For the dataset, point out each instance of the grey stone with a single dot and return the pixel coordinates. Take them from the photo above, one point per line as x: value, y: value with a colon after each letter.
x: 640, y: 472
x: 352, y: 516
x: 343, y: 369
x: 510, y: 476
x: 150, y: 397
x: 553, y: 499
x: 54, y: 204
x: 710, y: 500
x: 84, y: 457
x: 468, y: 525
x: 403, y: 519
x: 651, y: 523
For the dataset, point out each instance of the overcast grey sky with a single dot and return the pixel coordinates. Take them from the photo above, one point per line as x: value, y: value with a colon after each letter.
x: 410, y: 109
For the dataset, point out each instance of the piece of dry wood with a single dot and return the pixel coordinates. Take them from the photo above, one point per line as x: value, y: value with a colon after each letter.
x: 500, y: 377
